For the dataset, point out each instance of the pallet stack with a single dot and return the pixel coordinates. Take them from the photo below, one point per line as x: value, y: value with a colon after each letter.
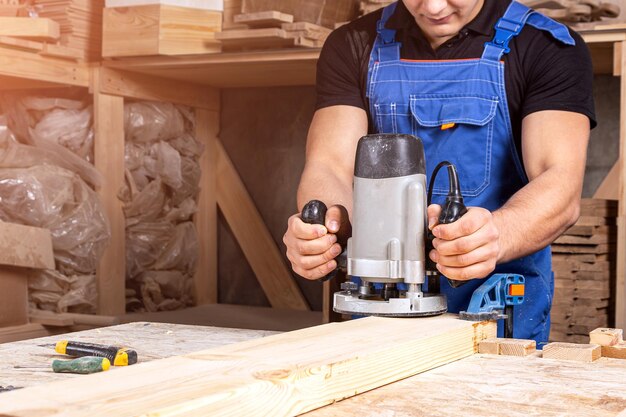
x: 584, y: 272
x: 80, y: 22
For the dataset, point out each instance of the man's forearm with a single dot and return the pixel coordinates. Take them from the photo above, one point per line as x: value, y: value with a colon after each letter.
x: 537, y: 214
x: 322, y: 183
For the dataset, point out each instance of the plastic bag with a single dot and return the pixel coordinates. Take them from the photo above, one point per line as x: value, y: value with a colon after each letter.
x: 54, y: 198
x: 71, y: 129
x: 53, y: 291
x: 152, y: 121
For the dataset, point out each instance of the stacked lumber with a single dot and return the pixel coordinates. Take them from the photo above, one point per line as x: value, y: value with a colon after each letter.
x: 80, y: 22
x: 369, y: 6
x: 584, y: 271
x: 272, y: 30
x: 320, y: 12
x: 575, y: 11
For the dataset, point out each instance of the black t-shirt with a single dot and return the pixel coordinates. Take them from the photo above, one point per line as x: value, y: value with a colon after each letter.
x: 541, y: 73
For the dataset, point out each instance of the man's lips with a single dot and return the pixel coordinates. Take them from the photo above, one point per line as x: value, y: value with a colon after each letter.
x: 440, y: 21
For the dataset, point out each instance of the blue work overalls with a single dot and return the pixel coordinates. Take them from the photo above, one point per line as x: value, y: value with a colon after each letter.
x: 459, y: 110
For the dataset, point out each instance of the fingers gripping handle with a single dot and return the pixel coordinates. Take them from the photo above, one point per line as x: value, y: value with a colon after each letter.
x: 314, y: 212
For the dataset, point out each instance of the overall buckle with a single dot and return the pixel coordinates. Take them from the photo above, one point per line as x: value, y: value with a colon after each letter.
x: 505, y: 30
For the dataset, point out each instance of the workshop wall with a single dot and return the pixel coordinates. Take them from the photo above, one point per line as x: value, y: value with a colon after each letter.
x: 264, y: 131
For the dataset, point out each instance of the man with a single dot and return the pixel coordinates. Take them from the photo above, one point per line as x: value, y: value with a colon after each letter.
x: 510, y: 106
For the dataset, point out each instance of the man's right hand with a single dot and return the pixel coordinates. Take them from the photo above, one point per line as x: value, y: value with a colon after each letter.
x: 312, y: 248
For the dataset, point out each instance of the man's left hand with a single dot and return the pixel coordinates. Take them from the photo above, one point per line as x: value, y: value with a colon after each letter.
x: 468, y: 248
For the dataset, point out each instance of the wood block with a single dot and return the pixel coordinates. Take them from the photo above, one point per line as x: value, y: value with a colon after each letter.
x: 489, y: 346
x: 507, y: 347
x: 605, y: 336
x: 618, y: 351
x: 324, y: 13
x: 31, y: 28
x: 13, y: 296
x: 159, y: 30
x: 572, y: 351
x: 271, y: 18
x: 517, y: 347
x: 293, y: 372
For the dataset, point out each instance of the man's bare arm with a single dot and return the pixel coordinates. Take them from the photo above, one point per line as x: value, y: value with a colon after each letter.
x: 554, y: 145
x: 327, y: 176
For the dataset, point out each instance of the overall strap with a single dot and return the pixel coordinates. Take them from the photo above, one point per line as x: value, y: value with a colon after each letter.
x: 512, y: 23
x: 387, y: 49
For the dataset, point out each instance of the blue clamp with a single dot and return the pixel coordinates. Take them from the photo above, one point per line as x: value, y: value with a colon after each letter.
x: 505, y: 31
x: 490, y: 299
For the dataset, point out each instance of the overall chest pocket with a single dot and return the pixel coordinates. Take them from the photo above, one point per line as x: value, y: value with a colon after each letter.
x: 459, y: 129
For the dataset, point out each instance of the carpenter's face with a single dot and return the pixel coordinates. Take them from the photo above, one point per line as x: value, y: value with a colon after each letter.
x: 441, y: 20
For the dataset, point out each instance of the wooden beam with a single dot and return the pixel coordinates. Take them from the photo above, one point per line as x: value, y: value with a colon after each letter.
x: 109, y: 160
x: 255, y: 240
x: 147, y: 87
x: 206, y: 278
x: 617, y: 59
x: 33, y: 28
x: 280, y: 375
x: 620, y: 285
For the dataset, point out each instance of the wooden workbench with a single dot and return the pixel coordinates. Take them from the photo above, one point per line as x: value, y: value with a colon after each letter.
x: 478, y: 385
x: 151, y: 341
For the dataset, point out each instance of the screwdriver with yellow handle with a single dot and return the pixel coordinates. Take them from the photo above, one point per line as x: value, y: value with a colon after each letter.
x: 118, y: 356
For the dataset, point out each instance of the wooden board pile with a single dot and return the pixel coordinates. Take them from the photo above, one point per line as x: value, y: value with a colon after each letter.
x: 575, y: 11
x: 273, y: 24
x: 271, y: 30
x: 584, y: 272
x: 80, y: 22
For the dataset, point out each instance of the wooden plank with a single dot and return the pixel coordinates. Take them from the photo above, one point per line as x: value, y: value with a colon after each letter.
x: 491, y: 385
x: 605, y: 336
x: 270, y: 18
x: 286, y: 67
x: 109, y: 160
x: 61, y: 51
x: 49, y: 318
x: 292, y: 372
x: 33, y: 28
x: 617, y: 59
x: 25, y: 64
x: 145, y: 87
x: 255, y: 240
x: 620, y: 288
x: 609, y: 187
x: 598, y: 206
x: 572, y: 351
x: 13, y: 296
x: 206, y: 278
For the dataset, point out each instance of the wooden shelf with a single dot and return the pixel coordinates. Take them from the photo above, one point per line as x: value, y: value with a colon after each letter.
x: 21, y: 69
x: 225, y: 70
